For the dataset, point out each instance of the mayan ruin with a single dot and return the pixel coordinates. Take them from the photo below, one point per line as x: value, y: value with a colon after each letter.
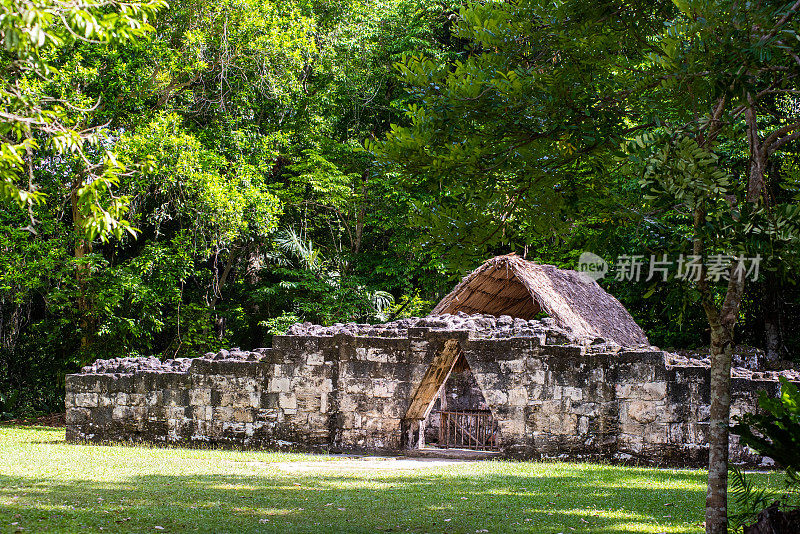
x: 580, y: 383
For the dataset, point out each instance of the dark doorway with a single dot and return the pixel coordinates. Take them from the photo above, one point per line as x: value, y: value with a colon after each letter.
x: 460, y: 417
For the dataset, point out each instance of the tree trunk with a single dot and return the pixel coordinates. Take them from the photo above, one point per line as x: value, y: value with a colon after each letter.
x: 362, y: 212
x: 717, y: 494
x: 83, y: 247
x: 771, y: 311
x: 772, y: 303
x: 722, y: 321
x: 219, y: 321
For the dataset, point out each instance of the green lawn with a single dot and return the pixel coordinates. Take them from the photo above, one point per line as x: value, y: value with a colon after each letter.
x: 47, y: 485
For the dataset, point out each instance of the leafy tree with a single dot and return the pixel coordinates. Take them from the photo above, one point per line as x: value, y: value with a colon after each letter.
x: 732, y: 61
x: 505, y: 138
x: 31, y: 120
x: 231, y: 120
x: 499, y: 138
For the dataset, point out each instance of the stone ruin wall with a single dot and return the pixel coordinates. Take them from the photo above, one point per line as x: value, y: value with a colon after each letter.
x: 348, y: 388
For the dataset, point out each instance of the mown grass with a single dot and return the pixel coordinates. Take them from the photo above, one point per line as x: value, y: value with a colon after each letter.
x: 47, y: 485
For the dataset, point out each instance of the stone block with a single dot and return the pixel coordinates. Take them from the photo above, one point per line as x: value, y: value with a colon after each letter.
x: 518, y: 397
x: 175, y: 397
x: 227, y: 396
x: 154, y: 398
x: 318, y: 422
x: 137, y: 399
x: 631, y: 443
x: 358, y: 386
x: 200, y: 397
x: 243, y: 415
x: 512, y: 367
x: 563, y: 424
x: 495, y: 397
x: 268, y: 414
x: 347, y: 403
x: 646, y: 391
x: 315, y: 358
x: 655, y: 434
x: 383, y: 388
x: 279, y: 385
x: 644, y: 412
x: 176, y: 412
x: 539, y: 377
x: 122, y: 413
x: 287, y: 401
x: 629, y: 426
x: 269, y: 400
x: 675, y: 413
x: 583, y: 425
x: 78, y: 416
x: 86, y: 400
x: 588, y: 409
x: 203, y: 413
x: 679, y: 433
x: 223, y: 413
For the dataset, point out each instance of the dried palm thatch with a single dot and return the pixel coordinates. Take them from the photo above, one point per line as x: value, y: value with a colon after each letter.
x: 509, y: 285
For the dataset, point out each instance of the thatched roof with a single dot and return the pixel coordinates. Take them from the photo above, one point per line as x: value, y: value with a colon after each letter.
x: 509, y: 285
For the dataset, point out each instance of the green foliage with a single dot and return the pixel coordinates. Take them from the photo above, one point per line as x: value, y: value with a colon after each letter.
x: 232, y: 136
x: 776, y: 431
x: 411, y: 306
x: 212, y: 127
x: 773, y: 432
x: 279, y: 325
x: 34, y: 122
x: 8, y: 403
x: 502, y: 145
x: 320, y: 290
x: 748, y: 499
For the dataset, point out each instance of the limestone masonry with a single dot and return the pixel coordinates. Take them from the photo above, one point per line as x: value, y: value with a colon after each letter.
x: 372, y: 387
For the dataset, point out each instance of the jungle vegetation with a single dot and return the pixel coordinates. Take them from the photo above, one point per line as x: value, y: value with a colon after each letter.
x: 180, y: 177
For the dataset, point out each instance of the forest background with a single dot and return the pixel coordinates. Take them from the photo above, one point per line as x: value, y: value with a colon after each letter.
x: 350, y: 160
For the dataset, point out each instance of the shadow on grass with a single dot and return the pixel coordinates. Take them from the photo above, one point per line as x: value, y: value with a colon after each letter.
x: 607, y: 500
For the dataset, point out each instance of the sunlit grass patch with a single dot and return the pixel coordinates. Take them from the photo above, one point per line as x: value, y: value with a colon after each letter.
x: 47, y: 485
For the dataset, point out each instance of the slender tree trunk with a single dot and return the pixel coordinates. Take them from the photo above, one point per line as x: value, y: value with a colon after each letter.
x: 771, y: 311
x: 717, y: 493
x: 83, y: 247
x: 722, y: 321
x: 771, y: 302
x: 360, y: 217
x: 219, y: 321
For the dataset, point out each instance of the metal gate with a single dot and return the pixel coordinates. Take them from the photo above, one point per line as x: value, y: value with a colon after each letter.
x: 474, y: 429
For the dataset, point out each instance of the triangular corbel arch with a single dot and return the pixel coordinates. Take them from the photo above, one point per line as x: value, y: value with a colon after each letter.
x: 436, y: 375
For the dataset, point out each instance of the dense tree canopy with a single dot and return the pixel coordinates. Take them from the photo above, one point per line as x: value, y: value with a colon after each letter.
x: 180, y: 177
x: 177, y: 178
x: 693, y: 103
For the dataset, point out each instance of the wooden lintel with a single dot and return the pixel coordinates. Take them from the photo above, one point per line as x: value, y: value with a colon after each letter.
x: 435, y: 376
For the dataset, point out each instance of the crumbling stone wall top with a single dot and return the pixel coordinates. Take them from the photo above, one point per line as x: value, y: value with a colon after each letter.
x: 130, y: 365
x: 672, y: 360
x: 478, y: 326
